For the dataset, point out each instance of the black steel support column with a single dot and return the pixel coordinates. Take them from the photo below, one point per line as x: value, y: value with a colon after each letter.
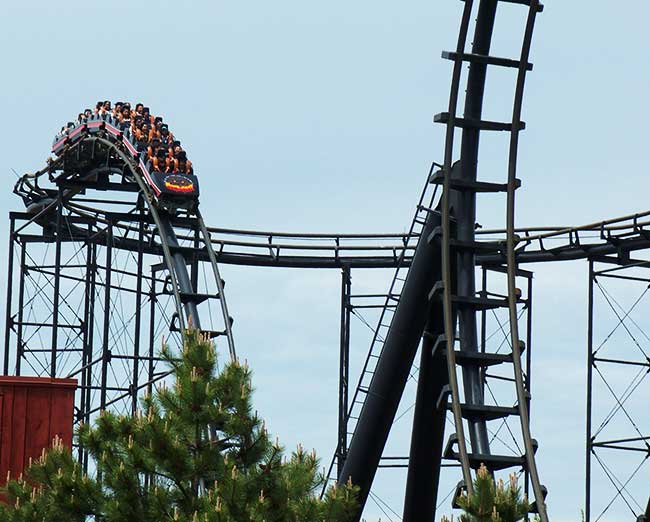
x: 590, y: 367
x: 194, y: 274
x: 152, y: 329
x: 428, y: 433
x: 393, y: 366
x: 21, y: 306
x: 465, y: 215
x: 529, y: 364
x: 10, y: 279
x: 86, y: 355
x: 57, y: 287
x: 605, y: 355
x: 138, y: 316
x: 344, y: 368
x: 106, y: 349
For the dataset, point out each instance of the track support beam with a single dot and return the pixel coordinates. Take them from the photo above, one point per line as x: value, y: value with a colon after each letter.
x: 393, y: 366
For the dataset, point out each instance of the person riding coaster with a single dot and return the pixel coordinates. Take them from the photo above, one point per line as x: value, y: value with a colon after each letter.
x: 167, y: 169
x: 166, y: 137
x: 161, y: 162
x: 181, y: 164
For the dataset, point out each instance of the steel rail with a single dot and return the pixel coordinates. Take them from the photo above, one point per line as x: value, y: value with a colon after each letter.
x: 268, y: 253
x: 262, y: 257
x: 446, y: 246
x: 511, y: 241
x: 336, y: 259
x: 207, y: 241
x: 268, y: 237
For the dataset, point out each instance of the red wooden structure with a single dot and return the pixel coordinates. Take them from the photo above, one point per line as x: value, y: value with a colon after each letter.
x: 33, y: 410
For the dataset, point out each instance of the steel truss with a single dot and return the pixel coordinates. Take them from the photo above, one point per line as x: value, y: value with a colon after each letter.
x: 90, y: 297
x: 618, y: 364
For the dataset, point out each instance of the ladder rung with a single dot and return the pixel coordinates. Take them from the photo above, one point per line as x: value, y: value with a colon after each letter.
x: 438, y: 178
x: 485, y: 412
x: 479, y: 303
x: 540, y: 7
x: 477, y: 246
x: 474, y: 246
x: 485, y: 125
x: 492, y: 462
x: 483, y: 59
x: 193, y: 297
x: 484, y: 359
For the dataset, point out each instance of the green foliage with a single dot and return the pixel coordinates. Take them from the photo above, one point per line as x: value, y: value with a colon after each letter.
x: 492, y: 502
x: 196, y: 452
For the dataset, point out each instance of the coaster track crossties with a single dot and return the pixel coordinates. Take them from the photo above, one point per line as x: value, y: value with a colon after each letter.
x: 432, y: 298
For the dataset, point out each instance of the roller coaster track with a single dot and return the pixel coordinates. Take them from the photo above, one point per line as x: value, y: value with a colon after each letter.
x: 462, y: 247
x: 120, y: 145
x: 459, y: 246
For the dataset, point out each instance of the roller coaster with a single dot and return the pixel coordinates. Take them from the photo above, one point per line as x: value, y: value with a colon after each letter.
x: 133, y: 262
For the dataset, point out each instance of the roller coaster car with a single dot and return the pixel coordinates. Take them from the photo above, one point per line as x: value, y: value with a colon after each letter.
x: 172, y: 191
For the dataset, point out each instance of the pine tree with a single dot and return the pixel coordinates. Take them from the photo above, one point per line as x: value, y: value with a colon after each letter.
x: 493, y: 502
x: 195, y: 452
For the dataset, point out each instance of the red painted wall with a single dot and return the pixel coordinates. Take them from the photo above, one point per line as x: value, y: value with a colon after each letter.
x: 33, y: 410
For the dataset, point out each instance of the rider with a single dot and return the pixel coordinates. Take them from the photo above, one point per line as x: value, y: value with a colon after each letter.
x: 125, y: 119
x: 166, y: 137
x: 117, y: 110
x: 138, y: 110
x: 152, y: 150
x: 182, y: 164
x: 160, y: 161
x: 174, y: 149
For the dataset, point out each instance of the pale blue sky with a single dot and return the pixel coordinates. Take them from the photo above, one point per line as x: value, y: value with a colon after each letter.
x: 308, y: 116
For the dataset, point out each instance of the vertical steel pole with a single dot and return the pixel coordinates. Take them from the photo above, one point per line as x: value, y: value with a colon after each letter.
x: 427, y: 436
x: 344, y: 366
x: 590, y: 363
x: 529, y: 361
x: 152, y: 329
x: 91, y: 329
x: 482, y: 347
x: 465, y: 214
x: 87, y: 323
x: 91, y: 339
x: 138, y: 316
x: 10, y: 279
x: 21, y: 306
x: 57, y: 287
x: 106, y: 351
x: 529, y: 337
x: 194, y: 277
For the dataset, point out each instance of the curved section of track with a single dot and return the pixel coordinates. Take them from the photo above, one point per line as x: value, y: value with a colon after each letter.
x: 104, y: 131
x: 459, y: 246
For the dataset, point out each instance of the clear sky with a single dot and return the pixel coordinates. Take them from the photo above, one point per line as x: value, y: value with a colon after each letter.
x: 316, y: 116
